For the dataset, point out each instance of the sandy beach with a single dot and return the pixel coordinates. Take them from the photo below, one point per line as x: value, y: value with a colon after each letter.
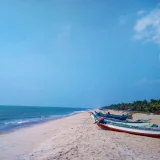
x: 77, y: 137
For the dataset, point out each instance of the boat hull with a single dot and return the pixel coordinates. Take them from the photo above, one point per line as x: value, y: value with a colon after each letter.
x: 149, y: 133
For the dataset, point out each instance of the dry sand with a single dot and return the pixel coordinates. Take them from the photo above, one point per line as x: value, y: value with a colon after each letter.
x: 77, y: 138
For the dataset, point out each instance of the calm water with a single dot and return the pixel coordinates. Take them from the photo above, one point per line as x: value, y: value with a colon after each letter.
x: 12, y: 117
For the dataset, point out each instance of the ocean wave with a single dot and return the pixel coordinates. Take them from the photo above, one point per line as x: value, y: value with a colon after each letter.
x: 30, y: 120
x: 76, y: 112
x: 10, y: 124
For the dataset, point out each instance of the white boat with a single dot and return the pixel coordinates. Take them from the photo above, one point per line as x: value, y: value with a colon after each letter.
x: 134, y: 123
x: 143, y: 131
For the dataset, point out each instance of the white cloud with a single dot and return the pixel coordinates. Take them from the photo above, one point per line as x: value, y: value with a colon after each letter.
x: 147, y: 27
x: 141, y: 12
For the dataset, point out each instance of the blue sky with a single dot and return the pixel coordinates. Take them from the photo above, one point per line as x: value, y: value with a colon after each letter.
x: 79, y: 53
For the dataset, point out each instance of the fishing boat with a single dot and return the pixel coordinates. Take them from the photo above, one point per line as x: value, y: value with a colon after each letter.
x: 134, y: 123
x: 120, y: 117
x: 137, y: 130
x: 126, y: 122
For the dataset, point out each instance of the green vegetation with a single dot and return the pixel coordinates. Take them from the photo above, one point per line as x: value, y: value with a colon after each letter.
x: 140, y: 106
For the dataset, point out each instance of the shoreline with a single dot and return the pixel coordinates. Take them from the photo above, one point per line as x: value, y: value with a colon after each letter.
x: 38, y: 123
x: 75, y: 137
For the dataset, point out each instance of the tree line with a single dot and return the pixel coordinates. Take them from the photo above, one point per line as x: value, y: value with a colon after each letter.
x: 141, y: 106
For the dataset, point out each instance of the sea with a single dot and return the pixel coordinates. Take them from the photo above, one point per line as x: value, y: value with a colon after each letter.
x: 14, y: 117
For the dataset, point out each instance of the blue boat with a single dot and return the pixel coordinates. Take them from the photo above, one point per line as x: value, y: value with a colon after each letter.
x: 120, y: 117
